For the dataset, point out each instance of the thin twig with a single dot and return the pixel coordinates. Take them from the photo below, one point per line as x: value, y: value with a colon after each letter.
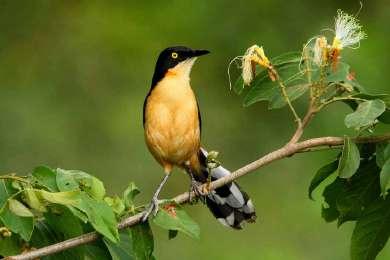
x: 311, y: 111
x: 288, y: 101
x: 13, y: 177
x: 335, y: 99
x: 278, y: 154
x: 309, y: 115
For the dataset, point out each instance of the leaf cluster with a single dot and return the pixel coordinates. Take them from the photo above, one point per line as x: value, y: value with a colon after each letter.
x: 326, y: 84
x: 52, y: 205
x: 359, y: 191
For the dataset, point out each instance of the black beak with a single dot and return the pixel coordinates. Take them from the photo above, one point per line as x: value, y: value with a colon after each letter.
x: 197, y: 53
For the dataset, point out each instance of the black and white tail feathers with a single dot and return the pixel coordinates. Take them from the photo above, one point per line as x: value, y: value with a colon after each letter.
x: 229, y: 203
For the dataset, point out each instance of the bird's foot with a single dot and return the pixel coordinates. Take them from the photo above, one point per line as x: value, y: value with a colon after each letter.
x: 152, y: 209
x: 198, y: 190
x: 207, y: 187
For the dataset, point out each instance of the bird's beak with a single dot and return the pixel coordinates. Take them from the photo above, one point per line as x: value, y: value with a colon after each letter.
x: 197, y: 53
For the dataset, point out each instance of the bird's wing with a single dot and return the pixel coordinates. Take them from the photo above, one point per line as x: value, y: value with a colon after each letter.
x: 144, y: 108
x: 199, y: 118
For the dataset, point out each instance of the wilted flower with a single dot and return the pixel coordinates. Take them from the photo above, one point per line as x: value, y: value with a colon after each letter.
x: 253, y: 55
x: 248, y: 66
x: 320, y: 51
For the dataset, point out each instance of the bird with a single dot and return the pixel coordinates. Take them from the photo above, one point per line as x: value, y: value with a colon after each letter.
x: 172, y: 130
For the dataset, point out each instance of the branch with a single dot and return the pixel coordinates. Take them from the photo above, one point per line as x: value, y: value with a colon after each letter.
x: 322, y: 148
x: 286, y: 151
x: 301, y: 125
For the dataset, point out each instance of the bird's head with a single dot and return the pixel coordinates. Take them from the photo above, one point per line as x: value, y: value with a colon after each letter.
x: 177, y: 61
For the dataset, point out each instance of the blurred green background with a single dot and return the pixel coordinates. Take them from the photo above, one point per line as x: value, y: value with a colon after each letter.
x: 74, y: 74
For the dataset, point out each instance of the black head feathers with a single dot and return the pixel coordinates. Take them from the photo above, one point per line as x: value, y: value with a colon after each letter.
x: 172, y: 56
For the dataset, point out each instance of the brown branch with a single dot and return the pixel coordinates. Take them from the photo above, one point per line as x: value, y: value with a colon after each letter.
x: 286, y: 151
x: 301, y: 125
x: 322, y: 148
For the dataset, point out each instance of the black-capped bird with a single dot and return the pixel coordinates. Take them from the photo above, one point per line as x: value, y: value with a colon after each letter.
x: 172, y: 125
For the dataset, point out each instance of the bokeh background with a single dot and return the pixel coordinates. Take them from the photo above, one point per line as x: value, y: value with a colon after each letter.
x: 74, y: 74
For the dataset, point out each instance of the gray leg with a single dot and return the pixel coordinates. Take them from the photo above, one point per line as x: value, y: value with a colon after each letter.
x: 153, y: 207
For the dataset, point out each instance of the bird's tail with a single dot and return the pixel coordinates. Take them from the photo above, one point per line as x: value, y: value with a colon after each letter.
x: 229, y: 203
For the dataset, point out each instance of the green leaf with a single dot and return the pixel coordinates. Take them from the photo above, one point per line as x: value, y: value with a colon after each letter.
x: 68, y: 180
x: 96, y: 189
x: 116, y: 204
x: 382, y: 153
x: 97, y: 252
x: 385, y: 117
x: 10, y: 246
x: 323, y: 173
x: 16, y: 185
x: 264, y: 89
x: 33, y: 201
x: 142, y: 241
x: 372, y: 231
x: 359, y: 191
x: 78, y: 213
x: 19, y: 209
x: 286, y: 58
x: 123, y: 249
x: 100, y: 215
x: 345, y: 199
x: 365, y: 114
x: 46, y: 177
x: 66, y: 226
x: 340, y: 75
x: 6, y: 191
x: 57, y: 227
x: 331, y: 193
x: 20, y: 225
x: 293, y: 92
x: 45, y: 235
x: 172, y: 217
x: 350, y: 159
x: 129, y: 195
x: 64, y: 198
x: 385, y: 177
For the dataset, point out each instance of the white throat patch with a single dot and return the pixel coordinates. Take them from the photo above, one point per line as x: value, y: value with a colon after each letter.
x: 183, y: 69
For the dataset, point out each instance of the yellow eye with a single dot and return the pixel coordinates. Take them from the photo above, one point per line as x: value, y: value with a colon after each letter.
x: 174, y: 55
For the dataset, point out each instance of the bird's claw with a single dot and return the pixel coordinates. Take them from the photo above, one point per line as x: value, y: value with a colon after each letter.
x: 207, y: 187
x: 152, y: 209
x: 194, y: 188
x: 198, y: 190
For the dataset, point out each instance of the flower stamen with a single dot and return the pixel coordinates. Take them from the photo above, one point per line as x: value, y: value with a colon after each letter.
x: 348, y: 33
